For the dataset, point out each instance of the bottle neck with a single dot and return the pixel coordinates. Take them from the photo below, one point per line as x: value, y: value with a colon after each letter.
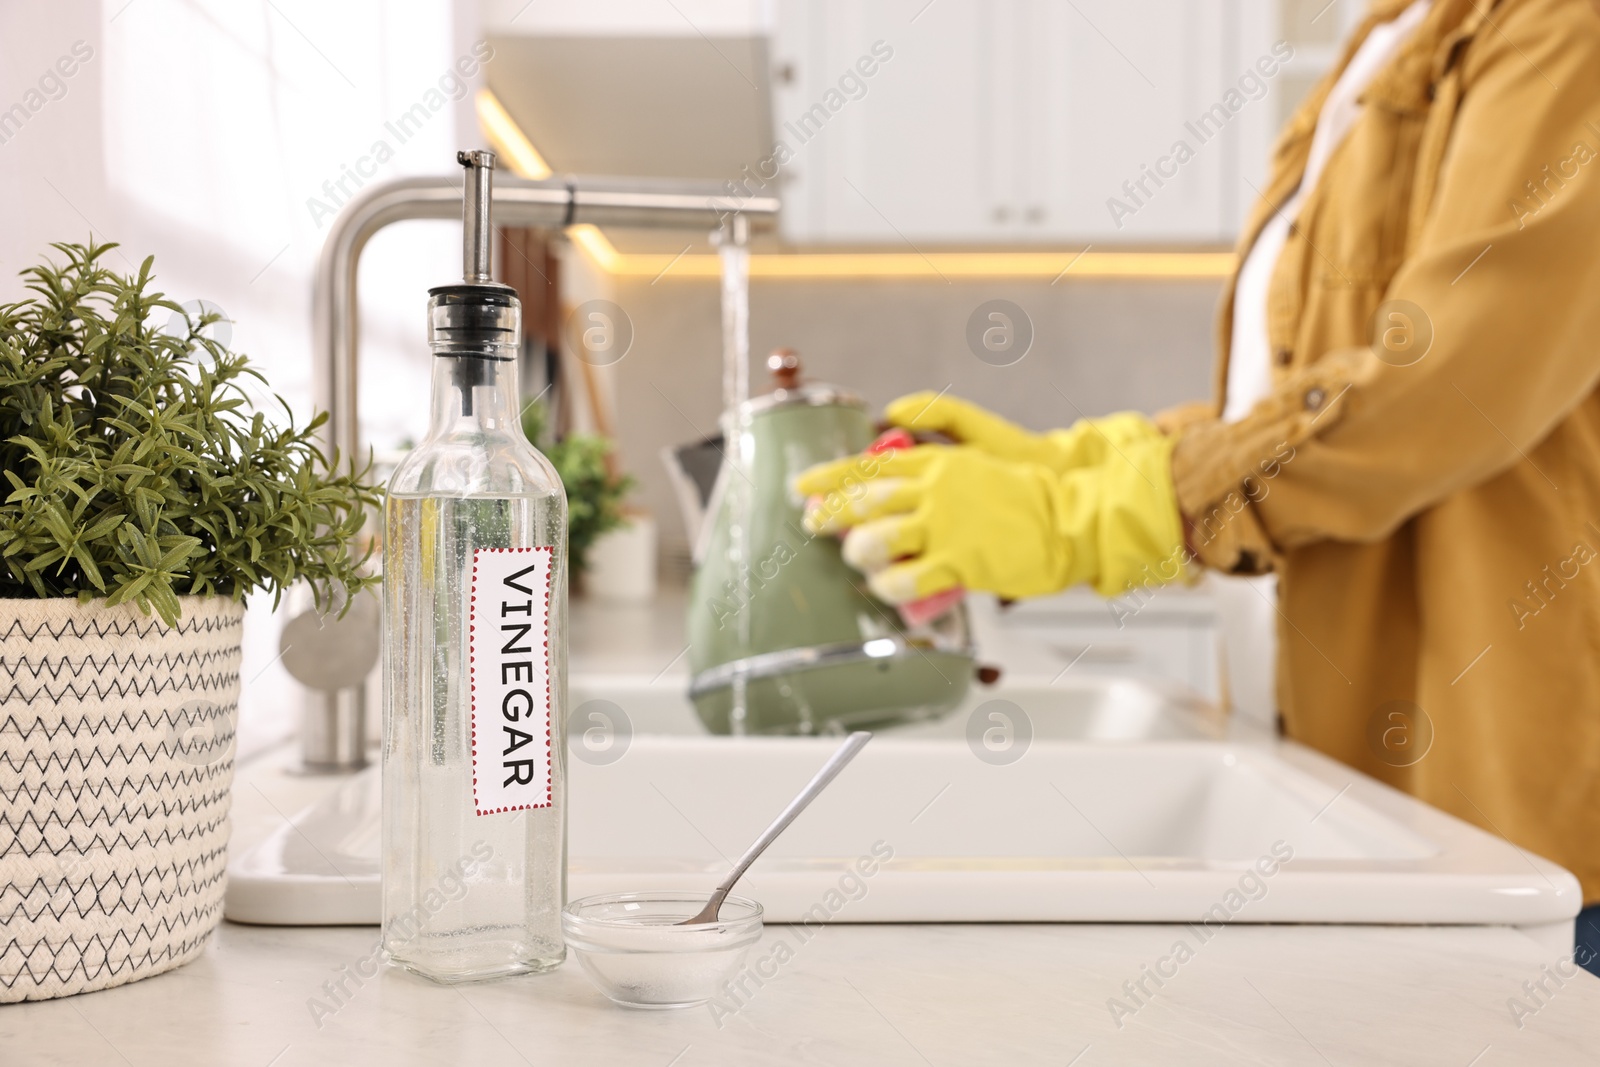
x: 475, y: 395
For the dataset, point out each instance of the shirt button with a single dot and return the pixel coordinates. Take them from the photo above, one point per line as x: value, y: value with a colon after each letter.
x: 1314, y: 397
x: 1283, y: 356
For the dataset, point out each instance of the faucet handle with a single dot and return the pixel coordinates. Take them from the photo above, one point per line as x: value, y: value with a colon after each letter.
x: 784, y: 363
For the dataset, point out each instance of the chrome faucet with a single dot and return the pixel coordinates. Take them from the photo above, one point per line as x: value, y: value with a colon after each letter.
x: 333, y: 728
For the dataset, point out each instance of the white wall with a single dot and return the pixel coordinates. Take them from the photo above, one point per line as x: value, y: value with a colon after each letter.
x: 200, y: 132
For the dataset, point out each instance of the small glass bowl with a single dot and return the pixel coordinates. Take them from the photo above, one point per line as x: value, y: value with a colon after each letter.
x: 631, y: 948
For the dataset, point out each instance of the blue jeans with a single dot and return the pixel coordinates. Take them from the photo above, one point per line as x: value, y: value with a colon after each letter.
x: 1587, y: 948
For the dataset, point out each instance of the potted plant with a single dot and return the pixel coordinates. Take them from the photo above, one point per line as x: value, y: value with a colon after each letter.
x: 595, y: 489
x: 142, y: 500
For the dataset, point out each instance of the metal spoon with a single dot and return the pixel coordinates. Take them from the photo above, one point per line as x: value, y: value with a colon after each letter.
x: 847, y: 752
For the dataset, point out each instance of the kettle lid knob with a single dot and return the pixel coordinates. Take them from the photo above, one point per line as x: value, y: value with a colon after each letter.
x: 784, y: 363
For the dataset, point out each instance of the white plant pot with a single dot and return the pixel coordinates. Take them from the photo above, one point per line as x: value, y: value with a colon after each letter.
x: 622, y: 563
x: 116, y: 758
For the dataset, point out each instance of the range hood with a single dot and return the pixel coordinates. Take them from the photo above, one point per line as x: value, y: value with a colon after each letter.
x: 678, y: 107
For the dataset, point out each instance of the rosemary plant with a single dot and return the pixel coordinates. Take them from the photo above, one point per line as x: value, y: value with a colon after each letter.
x: 135, y: 467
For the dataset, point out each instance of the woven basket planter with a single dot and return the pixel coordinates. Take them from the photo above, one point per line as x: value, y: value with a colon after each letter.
x: 116, y: 758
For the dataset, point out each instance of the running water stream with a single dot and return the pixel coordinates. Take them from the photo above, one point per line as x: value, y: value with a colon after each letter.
x: 733, y: 248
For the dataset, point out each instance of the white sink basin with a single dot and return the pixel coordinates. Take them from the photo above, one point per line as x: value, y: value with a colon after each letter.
x: 1074, y: 830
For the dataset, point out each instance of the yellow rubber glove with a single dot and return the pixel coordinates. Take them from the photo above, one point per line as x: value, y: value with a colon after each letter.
x: 933, y: 517
x: 1086, y: 443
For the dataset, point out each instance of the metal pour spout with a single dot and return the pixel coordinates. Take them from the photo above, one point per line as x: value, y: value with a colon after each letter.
x: 476, y: 229
x: 477, y: 319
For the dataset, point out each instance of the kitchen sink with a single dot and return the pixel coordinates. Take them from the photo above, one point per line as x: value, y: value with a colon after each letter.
x: 1115, y: 802
x: 1073, y: 708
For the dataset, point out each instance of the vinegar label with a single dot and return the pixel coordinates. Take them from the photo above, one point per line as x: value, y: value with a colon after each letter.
x: 508, y: 646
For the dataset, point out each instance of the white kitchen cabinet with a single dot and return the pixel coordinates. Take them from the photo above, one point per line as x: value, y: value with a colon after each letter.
x: 1125, y: 82
x: 1016, y: 122
x: 910, y: 154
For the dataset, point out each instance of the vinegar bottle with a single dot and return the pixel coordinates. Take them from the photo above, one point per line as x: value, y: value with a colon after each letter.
x: 474, y: 650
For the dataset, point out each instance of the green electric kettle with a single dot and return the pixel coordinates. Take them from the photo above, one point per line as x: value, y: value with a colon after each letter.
x: 784, y: 635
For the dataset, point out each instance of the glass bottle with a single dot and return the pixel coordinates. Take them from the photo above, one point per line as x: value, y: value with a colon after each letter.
x: 475, y: 611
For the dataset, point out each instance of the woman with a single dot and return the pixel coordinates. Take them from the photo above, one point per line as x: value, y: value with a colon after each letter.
x: 1407, y: 431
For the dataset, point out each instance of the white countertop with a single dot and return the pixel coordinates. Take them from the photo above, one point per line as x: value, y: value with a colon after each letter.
x: 1012, y: 995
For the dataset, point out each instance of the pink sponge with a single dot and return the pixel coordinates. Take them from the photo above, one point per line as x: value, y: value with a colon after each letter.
x: 924, y: 610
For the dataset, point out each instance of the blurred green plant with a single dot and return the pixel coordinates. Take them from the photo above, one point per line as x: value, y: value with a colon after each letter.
x: 134, y: 466
x: 594, y: 489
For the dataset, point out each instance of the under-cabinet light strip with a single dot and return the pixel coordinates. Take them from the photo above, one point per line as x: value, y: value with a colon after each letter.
x: 507, y: 138
x: 1065, y: 265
